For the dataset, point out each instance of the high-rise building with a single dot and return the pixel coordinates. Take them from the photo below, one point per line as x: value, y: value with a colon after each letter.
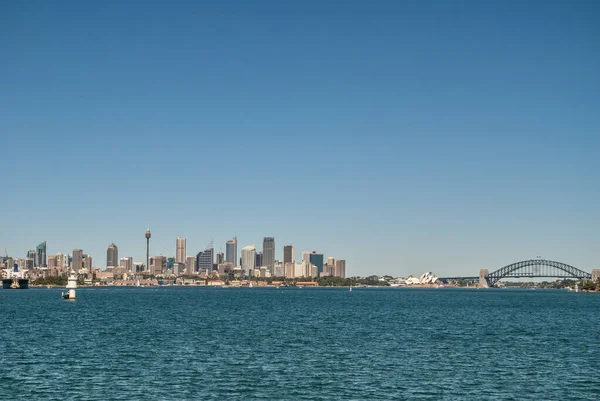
x: 60, y: 261
x: 51, y: 262
x: 340, y: 268
x: 269, y: 253
x: 220, y: 258
x: 190, y: 264
x: 77, y: 262
x: 40, y: 255
x: 158, y: 264
x: 112, y: 256
x: 248, y: 259
x: 289, y: 270
x: 127, y: 264
x: 87, y: 263
x: 170, y: 263
x: 317, y: 260
x: 180, y: 253
x: 204, y: 261
x: 288, y: 254
x: 330, y: 270
x: 259, y: 259
x: 231, y: 251
x: 306, y: 256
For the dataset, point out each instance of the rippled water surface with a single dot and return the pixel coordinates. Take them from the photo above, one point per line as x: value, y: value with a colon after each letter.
x: 291, y: 344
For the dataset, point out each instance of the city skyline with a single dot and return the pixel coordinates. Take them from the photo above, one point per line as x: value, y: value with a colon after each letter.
x: 406, y: 137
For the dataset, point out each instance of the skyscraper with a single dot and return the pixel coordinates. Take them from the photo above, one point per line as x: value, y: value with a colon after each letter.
x: 269, y: 253
x: 77, y: 261
x: 288, y: 254
x: 60, y: 261
x: 112, y: 256
x: 259, y: 260
x: 340, y: 268
x: 127, y: 264
x: 220, y: 258
x: 248, y: 259
x: 180, y: 252
x: 158, y: 265
x: 330, y: 266
x: 51, y: 262
x: 87, y: 263
x: 317, y: 260
x: 40, y: 255
x: 306, y: 256
x: 190, y: 264
x: 231, y: 251
x: 204, y: 260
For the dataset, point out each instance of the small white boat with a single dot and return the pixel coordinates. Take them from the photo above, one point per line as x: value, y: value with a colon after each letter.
x: 350, y: 289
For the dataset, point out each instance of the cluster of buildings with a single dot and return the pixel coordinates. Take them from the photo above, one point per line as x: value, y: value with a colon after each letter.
x: 249, y: 263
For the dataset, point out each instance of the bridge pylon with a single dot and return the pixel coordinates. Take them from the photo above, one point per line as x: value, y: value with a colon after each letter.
x: 483, y: 278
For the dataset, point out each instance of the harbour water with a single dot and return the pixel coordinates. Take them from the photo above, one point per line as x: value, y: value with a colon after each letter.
x: 174, y: 343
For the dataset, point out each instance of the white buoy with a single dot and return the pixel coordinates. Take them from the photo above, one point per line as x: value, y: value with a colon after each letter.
x: 71, y: 286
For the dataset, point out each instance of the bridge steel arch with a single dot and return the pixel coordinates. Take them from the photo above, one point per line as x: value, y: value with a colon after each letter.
x: 536, y: 268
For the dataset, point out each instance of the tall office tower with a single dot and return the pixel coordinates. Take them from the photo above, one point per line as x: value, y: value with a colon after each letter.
x: 40, y: 255
x: 127, y: 264
x: 248, y: 259
x: 190, y: 264
x: 220, y: 258
x: 231, y: 251
x: 278, y: 270
x: 51, y: 262
x: 148, y: 235
x: 180, y: 250
x: 31, y: 255
x: 87, y: 263
x: 269, y: 253
x: 60, y: 261
x: 158, y: 264
x: 340, y: 268
x: 170, y: 262
x: 77, y: 262
x: 288, y: 254
x: 112, y: 256
x: 317, y: 260
x: 306, y: 256
x: 259, y: 259
x: 204, y: 261
x: 330, y: 266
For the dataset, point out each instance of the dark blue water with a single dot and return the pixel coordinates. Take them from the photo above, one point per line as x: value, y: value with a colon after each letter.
x: 291, y: 344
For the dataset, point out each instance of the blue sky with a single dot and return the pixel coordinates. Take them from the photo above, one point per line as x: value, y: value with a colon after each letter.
x: 401, y: 136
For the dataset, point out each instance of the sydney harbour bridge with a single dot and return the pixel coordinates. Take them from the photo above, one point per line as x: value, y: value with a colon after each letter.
x: 534, y: 268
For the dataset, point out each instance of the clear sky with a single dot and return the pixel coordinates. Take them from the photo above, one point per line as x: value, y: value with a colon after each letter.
x: 403, y: 136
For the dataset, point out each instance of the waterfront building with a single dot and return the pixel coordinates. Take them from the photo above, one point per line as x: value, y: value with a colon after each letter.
x: 40, y: 255
x: 158, y: 264
x: 317, y: 260
x: 112, y: 256
x: 269, y: 252
x: 190, y: 264
x: 220, y: 258
x: 288, y: 254
x: 204, y: 261
x: 259, y: 259
x: 340, y: 268
x: 248, y: 259
x: 127, y: 264
x: 77, y: 262
x: 231, y: 251
x: 180, y: 252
